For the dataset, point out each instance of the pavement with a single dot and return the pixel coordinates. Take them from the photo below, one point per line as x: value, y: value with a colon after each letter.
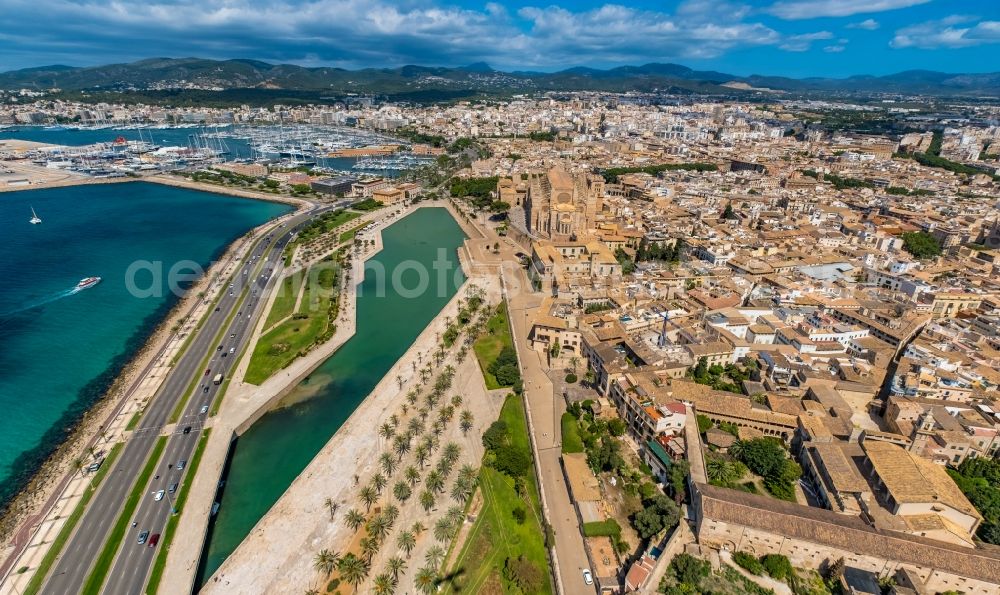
x: 544, y: 408
x: 133, y: 561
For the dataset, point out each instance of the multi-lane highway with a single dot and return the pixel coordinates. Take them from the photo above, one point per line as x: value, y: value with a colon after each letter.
x: 133, y: 560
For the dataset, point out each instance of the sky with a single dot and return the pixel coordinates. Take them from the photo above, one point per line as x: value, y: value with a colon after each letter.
x: 773, y: 37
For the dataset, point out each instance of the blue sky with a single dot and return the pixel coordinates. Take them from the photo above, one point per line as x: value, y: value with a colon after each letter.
x: 778, y: 37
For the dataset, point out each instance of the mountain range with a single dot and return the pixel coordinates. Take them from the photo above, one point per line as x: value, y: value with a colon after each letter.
x: 479, y: 78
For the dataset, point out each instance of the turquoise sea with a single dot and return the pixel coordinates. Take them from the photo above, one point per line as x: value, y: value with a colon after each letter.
x: 59, y: 349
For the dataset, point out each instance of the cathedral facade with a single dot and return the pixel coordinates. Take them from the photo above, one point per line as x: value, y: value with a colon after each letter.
x: 560, y: 205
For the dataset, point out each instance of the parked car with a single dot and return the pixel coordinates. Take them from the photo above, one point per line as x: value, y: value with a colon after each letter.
x: 587, y: 577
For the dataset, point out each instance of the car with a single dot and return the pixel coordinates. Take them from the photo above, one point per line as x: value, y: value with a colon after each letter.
x: 587, y: 577
x: 172, y: 488
x: 206, y: 390
x: 142, y: 537
x: 232, y: 335
x: 230, y: 286
x: 232, y: 350
x: 216, y: 308
x: 187, y: 429
x: 224, y: 354
x: 204, y: 409
x: 208, y: 371
x: 155, y: 539
x: 219, y: 348
x: 158, y: 495
x: 181, y: 463
x: 95, y: 466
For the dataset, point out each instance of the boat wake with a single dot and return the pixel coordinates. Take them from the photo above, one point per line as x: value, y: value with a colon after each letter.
x: 41, y: 302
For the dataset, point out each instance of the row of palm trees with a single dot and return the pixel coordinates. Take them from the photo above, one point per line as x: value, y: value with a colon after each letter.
x: 414, y: 436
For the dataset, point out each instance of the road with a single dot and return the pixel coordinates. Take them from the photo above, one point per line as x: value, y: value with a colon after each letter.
x: 131, y: 568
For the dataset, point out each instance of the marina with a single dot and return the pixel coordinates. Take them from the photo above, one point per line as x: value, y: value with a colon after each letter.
x: 113, y: 151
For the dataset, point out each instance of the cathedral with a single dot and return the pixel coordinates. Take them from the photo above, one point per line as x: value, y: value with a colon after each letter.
x: 560, y: 205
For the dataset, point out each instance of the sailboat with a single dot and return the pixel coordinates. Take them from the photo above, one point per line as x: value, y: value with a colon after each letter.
x: 35, y: 220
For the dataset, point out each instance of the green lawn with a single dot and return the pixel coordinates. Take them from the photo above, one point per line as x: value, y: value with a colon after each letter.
x: 312, y: 324
x: 349, y: 234
x: 74, y: 517
x: 95, y: 580
x: 488, y: 346
x: 168, y: 532
x: 571, y: 441
x: 495, y: 536
x: 285, y: 302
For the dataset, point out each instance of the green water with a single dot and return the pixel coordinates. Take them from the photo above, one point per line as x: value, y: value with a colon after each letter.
x: 270, y: 455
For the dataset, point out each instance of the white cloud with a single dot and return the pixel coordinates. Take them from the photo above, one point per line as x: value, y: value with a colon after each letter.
x: 354, y: 33
x: 834, y: 49
x: 956, y: 31
x: 801, y: 43
x: 811, y: 9
x: 867, y: 24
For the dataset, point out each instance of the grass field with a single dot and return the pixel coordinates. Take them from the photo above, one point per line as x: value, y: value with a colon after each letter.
x: 168, y: 532
x: 95, y: 580
x: 349, y: 234
x: 488, y: 346
x: 313, y: 323
x: 74, y: 517
x: 285, y: 302
x: 496, y: 535
x: 571, y: 441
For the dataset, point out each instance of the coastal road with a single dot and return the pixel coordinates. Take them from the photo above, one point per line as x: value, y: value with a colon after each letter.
x: 78, y: 555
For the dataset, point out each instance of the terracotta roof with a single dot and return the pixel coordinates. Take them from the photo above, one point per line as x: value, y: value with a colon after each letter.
x: 849, y: 533
x: 913, y: 479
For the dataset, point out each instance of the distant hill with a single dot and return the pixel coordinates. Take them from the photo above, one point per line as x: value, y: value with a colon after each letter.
x: 173, y: 73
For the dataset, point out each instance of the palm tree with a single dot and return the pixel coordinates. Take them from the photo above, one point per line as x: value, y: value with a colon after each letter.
x: 406, y: 542
x: 369, y: 547
x: 391, y: 513
x: 434, y: 556
x: 378, y: 482
x: 388, y: 463
x: 378, y: 527
x: 326, y: 561
x: 396, y: 565
x: 369, y: 496
x: 383, y: 584
x: 412, y: 475
x: 427, y: 500
x: 451, y: 452
x: 401, y: 491
x: 354, y: 519
x: 426, y: 581
x: 435, y: 481
x: 400, y: 446
x: 462, y: 489
x: 417, y: 527
x: 421, y: 453
x: 386, y: 431
x: 332, y: 506
x: 465, y: 421
x: 442, y: 530
x: 312, y: 592
x: 456, y: 400
x: 353, y: 569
